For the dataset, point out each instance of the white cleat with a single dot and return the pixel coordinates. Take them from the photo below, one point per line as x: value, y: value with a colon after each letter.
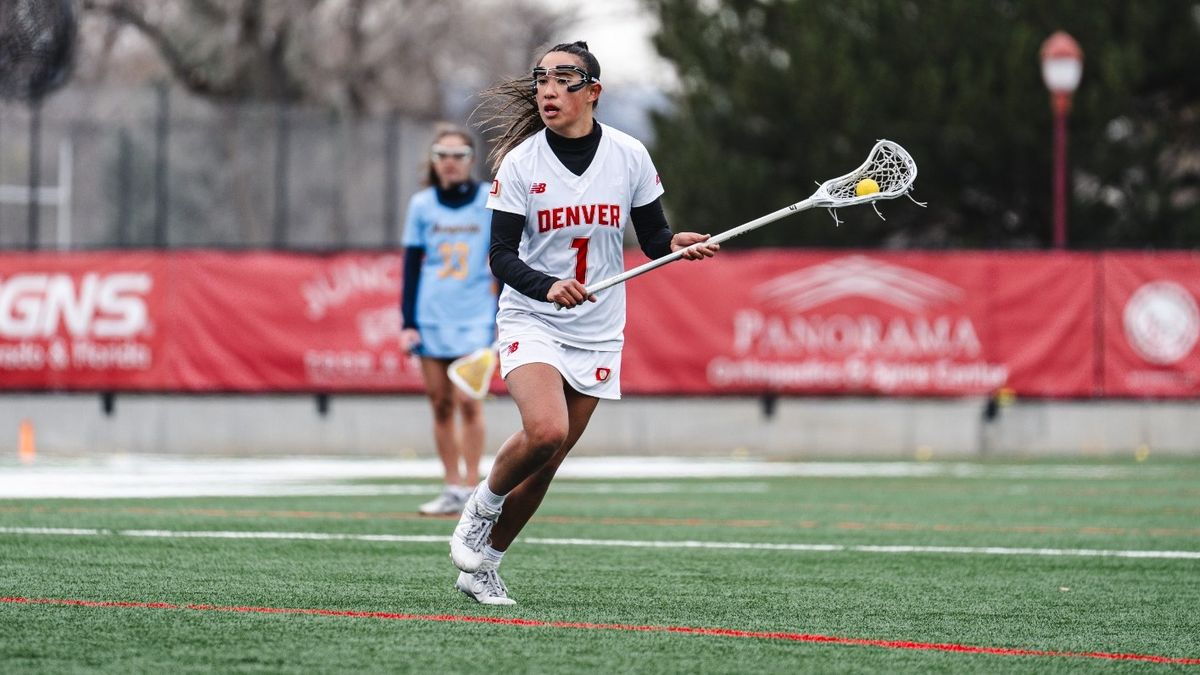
x: 485, y: 587
x: 449, y: 503
x: 471, y: 535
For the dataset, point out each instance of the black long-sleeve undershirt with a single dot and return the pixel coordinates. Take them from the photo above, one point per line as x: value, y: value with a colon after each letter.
x: 506, y: 262
x: 414, y: 256
x: 576, y: 153
x: 650, y: 226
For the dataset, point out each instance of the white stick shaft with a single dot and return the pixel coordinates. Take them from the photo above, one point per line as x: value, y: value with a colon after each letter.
x: 724, y: 236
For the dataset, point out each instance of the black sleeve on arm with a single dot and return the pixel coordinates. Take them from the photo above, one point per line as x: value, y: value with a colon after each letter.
x: 653, y: 233
x: 506, y: 261
x: 413, y: 257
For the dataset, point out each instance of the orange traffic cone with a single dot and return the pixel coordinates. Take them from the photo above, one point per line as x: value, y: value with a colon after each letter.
x: 26, y: 445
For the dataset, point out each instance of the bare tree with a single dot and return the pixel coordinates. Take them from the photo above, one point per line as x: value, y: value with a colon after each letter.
x: 362, y: 57
x: 252, y: 148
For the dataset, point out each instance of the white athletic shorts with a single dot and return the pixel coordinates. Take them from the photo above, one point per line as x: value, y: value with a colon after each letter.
x: 588, y: 372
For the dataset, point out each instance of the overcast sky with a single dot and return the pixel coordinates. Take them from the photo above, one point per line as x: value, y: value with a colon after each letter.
x: 618, y: 33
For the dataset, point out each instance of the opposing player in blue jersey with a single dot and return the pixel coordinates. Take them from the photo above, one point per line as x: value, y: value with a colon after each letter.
x: 566, y: 190
x: 449, y: 304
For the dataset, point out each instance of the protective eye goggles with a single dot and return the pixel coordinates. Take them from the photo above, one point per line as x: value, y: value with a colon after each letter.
x: 456, y: 152
x: 573, y: 78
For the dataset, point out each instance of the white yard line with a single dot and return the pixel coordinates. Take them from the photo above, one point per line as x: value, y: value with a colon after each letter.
x: 140, y: 476
x: 163, y: 487
x: 616, y: 543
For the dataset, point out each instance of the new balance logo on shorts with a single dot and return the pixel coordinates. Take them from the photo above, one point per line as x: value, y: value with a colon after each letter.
x: 537, y: 188
x: 602, y: 374
x: 512, y: 347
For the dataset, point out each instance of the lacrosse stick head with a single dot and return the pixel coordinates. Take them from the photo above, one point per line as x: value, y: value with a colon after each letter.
x: 888, y: 164
x: 473, y: 373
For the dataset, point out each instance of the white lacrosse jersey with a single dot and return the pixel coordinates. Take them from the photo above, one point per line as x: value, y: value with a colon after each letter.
x: 574, y: 227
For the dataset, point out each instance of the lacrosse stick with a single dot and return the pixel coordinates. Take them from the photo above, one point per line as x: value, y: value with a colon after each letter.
x: 890, y: 167
x: 473, y: 373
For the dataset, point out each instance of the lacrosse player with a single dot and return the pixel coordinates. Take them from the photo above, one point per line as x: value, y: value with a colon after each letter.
x: 449, y: 304
x: 565, y: 191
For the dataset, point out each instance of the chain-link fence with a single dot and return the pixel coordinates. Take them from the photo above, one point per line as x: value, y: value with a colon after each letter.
x: 156, y: 167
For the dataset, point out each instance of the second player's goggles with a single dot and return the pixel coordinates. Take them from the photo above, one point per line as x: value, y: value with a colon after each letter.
x: 456, y: 152
x: 573, y: 78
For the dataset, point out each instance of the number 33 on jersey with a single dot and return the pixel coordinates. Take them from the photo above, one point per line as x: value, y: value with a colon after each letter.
x: 574, y: 228
x: 456, y: 283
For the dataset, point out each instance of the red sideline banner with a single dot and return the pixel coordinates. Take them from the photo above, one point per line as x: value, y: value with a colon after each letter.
x: 793, y: 322
x: 200, y: 321
x: 855, y: 323
x: 1151, y: 324
x: 83, y: 321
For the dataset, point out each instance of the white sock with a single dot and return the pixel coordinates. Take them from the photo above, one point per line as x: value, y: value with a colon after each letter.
x: 492, y: 556
x: 488, y: 499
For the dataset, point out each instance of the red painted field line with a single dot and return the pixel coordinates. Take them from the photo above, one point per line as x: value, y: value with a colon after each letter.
x: 687, y: 630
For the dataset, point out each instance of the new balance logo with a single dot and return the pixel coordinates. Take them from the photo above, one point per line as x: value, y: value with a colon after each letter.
x: 537, y: 188
x: 512, y: 347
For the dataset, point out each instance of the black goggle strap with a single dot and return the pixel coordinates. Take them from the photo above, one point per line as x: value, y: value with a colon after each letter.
x: 547, y: 72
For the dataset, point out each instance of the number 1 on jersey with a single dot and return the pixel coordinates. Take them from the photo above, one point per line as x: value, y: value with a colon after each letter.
x: 580, y: 244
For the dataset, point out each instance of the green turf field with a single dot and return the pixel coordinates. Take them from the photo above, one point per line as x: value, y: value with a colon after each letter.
x: 924, y: 570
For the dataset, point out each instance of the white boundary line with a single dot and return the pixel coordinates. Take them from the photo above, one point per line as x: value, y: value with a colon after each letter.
x: 135, y: 486
x: 615, y: 543
x: 136, y: 477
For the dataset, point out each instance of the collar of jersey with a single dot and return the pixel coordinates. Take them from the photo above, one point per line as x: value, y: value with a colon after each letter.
x: 563, y: 172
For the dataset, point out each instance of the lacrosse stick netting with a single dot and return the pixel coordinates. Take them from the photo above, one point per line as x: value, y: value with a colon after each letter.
x: 473, y: 373
x: 888, y: 164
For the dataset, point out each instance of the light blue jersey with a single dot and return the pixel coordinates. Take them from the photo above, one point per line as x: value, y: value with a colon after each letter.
x: 456, y: 301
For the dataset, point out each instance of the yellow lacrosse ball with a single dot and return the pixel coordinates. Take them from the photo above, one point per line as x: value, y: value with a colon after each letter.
x: 866, y: 186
